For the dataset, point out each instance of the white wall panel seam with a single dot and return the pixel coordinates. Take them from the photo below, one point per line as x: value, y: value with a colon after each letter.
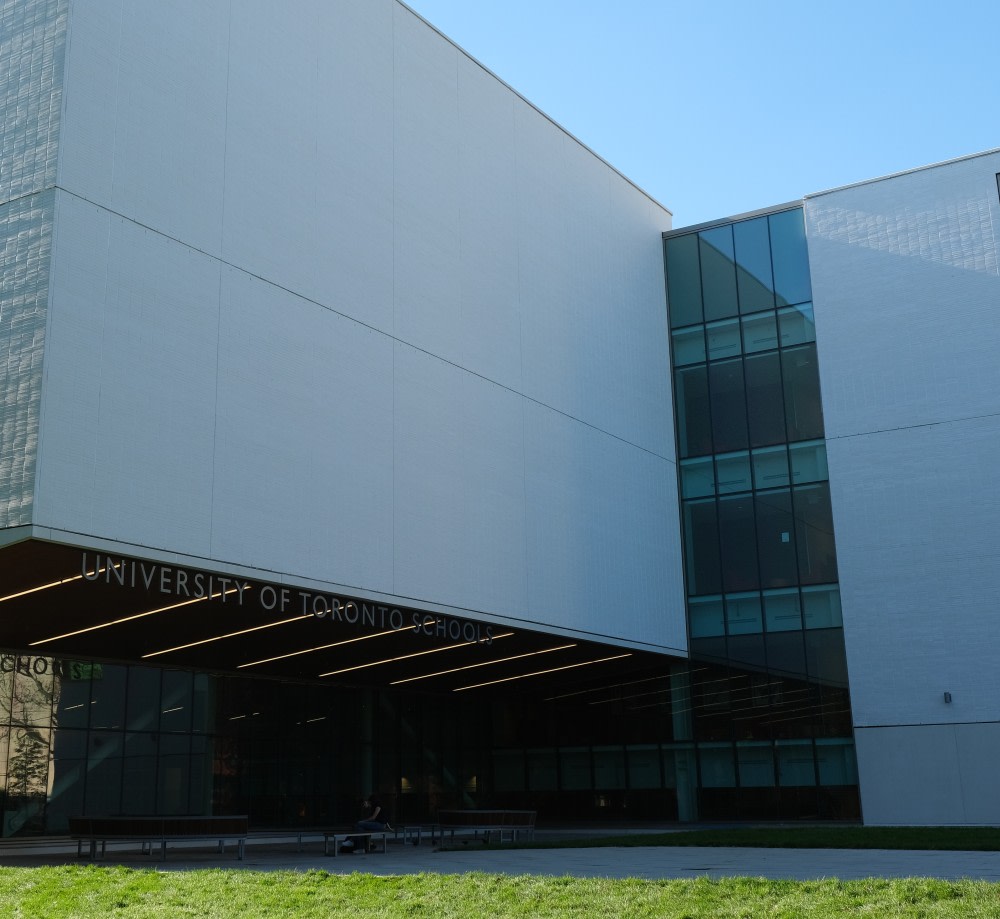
x: 359, y: 322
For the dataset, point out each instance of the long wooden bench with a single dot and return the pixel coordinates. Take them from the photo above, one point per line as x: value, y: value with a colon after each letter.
x: 148, y: 831
x: 488, y: 822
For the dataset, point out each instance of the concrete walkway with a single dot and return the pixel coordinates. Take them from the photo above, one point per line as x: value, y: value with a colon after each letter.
x: 643, y: 862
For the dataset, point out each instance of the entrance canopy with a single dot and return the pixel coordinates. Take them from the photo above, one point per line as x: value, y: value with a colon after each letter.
x: 67, y: 602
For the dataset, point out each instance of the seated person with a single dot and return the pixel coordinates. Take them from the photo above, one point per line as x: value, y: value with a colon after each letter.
x: 375, y: 821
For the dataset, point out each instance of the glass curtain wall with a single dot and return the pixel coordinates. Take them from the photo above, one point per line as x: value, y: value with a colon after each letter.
x: 85, y: 737
x: 760, y: 560
x: 82, y: 737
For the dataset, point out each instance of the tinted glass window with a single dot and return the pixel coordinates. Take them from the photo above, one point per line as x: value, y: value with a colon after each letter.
x: 683, y: 280
x: 694, y: 423
x: 718, y: 273
x: 814, y: 534
x: 789, y: 258
x: 803, y: 408
x: 753, y: 265
x: 776, y: 539
x: 738, y: 537
x: 701, y: 547
x: 729, y: 408
x: 765, y: 402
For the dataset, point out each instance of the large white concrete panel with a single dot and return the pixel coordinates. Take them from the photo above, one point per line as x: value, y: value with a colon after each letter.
x: 929, y: 775
x: 144, y: 128
x: 456, y: 255
x: 906, y: 289
x: 593, y: 335
x: 458, y: 487
x: 603, y: 553
x: 918, y: 550
x: 26, y: 228
x: 906, y: 285
x: 130, y: 371
x: 32, y: 57
x: 319, y: 272
x: 309, y: 155
x: 303, y: 461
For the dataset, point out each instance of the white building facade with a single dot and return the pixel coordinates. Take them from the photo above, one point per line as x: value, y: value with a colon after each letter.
x: 326, y: 351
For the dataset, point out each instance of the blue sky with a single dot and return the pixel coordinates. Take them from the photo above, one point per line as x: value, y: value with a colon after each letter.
x: 717, y: 108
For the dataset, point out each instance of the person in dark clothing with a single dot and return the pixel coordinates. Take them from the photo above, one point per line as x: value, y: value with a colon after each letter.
x: 375, y: 821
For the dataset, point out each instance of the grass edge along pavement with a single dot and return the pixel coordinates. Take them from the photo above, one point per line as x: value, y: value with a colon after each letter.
x: 85, y: 891
x: 946, y: 838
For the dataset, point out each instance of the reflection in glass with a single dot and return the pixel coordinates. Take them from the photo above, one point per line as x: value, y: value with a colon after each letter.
x: 797, y: 325
x: 733, y: 472
x: 143, y: 699
x: 826, y: 661
x: 689, y: 346
x: 718, y: 273
x: 789, y: 257
x: 139, y: 773
x: 743, y: 614
x: 723, y: 339
x: 786, y: 653
x: 697, y: 477
x: 770, y: 467
x: 753, y: 265
x: 822, y: 607
x: 836, y: 760
x: 175, y: 701
x: 808, y: 461
x: 760, y: 333
x: 107, y: 708
x: 781, y: 608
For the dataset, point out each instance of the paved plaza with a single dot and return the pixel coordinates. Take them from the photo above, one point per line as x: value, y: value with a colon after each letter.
x: 618, y: 862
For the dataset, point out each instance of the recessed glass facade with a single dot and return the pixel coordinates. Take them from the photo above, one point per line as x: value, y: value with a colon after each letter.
x: 760, y: 559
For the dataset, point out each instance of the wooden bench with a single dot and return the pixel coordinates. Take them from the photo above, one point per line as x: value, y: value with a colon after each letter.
x: 487, y: 822
x: 340, y: 836
x: 149, y: 830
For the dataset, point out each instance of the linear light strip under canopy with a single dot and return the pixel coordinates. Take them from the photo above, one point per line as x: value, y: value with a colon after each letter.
x: 336, y: 644
x: 34, y: 590
x: 403, y: 657
x: 524, y: 676
x: 152, y: 612
x: 499, y: 660
x: 205, y: 641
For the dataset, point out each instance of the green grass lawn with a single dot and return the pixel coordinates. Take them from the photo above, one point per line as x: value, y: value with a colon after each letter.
x: 963, y: 839
x: 81, y: 892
